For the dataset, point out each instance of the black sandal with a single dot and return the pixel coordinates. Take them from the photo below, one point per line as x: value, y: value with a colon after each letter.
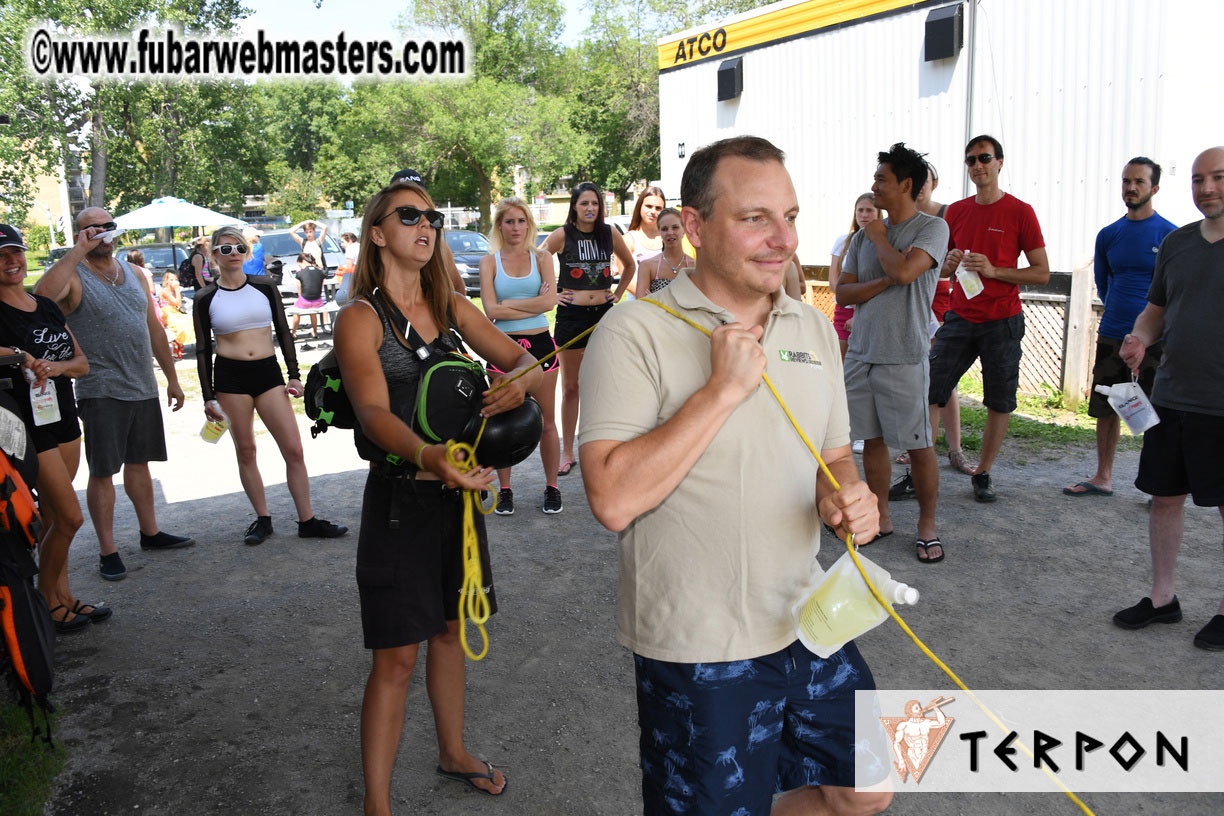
x: 924, y: 548
x: 99, y: 613
x: 72, y: 622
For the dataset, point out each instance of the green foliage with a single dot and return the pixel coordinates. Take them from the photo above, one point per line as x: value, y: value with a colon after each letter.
x: 36, y: 238
x: 27, y: 769
x: 296, y: 193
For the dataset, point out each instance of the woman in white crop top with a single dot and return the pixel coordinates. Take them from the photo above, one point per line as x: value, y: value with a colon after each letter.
x: 517, y: 291
x: 239, y: 310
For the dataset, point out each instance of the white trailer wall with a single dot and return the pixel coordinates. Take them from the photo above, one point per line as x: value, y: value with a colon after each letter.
x: 1072, y: 89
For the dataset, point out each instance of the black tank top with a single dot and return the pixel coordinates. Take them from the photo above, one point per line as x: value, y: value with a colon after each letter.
x: 586, y: 263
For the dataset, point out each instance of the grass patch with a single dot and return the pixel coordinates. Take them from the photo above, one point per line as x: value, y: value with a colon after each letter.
x: 27, y: 770
x: 1038, y: 422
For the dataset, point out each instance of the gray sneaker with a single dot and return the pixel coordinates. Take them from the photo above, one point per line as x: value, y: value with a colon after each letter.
x: 983, y: 487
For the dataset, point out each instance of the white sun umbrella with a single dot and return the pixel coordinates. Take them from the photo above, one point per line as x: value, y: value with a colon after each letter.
x: 169, y: 211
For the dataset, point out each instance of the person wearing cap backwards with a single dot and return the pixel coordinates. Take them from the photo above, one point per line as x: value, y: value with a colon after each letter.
x: 444, y: 251
x: 410, y: 570
x: 113, y: 319
x: 33, y: 327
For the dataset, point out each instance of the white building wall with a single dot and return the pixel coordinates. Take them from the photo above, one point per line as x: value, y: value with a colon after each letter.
x: 1072, y: 89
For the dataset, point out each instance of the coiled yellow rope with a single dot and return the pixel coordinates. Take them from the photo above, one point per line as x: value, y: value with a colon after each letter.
x: 875, y: 593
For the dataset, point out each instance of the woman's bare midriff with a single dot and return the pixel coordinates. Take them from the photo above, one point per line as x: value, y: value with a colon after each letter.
x: 248, y: 344
x: 585, y: 297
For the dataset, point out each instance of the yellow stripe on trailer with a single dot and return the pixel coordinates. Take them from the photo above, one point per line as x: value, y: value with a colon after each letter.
x: 779, y: 24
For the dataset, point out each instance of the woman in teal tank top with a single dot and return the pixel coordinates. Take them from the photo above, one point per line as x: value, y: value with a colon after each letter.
x: 517, y: 291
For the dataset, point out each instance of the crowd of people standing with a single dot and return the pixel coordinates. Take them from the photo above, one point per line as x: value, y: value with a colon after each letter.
x: 673, y: 423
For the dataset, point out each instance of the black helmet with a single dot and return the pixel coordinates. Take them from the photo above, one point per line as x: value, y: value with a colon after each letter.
x: 508, y: 437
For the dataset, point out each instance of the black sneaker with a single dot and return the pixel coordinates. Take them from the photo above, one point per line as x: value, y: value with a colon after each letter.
x: 983, y: 488
x: 552, y: 500
x: 316, y: 527
x: 164, y: 541
x: 505, y: 502
x: 1144, y: 613
x: 1211, y: 636
x: 111, y: 567
x: 259, y: 530
x: 903, y: 489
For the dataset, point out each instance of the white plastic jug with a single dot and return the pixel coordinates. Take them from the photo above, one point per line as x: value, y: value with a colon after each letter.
x: 1130, y: 403
x: 841, y: 607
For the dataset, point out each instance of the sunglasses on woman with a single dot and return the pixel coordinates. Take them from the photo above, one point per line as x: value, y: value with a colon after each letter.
x: 230, y: 249
x: 411, y: 216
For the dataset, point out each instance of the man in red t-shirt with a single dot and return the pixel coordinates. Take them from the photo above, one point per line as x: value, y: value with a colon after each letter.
x: 987, y: 233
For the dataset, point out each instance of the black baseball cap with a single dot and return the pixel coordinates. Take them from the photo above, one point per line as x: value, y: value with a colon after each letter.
x: 10, y: 236
x: 407, y: 175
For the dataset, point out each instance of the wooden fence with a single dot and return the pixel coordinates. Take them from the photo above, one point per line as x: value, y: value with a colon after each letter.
x: 1046, y: 364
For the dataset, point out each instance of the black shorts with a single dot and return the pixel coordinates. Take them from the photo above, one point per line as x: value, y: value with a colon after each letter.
x: 958, y: 343
x: 1182, y: 455
x: 410, y: 578
x: 574, y: 320
x: 538, y: 345
x: 51, y: 436
x: 1109, y: 369
x: 250, y: 377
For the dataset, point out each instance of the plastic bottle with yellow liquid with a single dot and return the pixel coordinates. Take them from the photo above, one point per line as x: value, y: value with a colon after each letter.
x: 214, y: 429
x: 841, y: 607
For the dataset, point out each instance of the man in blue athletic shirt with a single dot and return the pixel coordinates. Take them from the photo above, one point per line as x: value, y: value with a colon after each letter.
x: 1125, y: 257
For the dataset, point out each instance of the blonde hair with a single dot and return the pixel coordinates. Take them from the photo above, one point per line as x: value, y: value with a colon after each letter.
x: 371, y: 274
x: 228, y: 232
x: 499, y: 215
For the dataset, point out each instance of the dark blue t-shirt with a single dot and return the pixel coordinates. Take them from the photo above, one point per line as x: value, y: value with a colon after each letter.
x: 1125, y: 257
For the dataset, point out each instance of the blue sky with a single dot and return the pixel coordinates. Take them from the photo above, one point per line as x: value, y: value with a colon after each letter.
x: 373, y: 19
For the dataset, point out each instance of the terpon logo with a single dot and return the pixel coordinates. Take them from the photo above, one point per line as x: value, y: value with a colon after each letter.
x: 916, y: 737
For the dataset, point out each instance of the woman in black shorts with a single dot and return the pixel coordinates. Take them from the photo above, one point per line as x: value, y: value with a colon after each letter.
x: 517, y: 291
x: 239, y: 309
x: 585, y: 246
x: 33, y: 327
x: 409, y: 553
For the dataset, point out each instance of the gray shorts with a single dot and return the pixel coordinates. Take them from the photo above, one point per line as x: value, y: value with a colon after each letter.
x: 121, y: 432
x: 889, y: 401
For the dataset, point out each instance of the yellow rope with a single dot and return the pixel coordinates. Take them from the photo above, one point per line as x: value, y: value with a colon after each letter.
x: 875, y: 593
x: 474, y: 603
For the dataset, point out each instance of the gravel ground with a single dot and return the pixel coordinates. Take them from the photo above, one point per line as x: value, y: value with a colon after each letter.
x: 229, y: 679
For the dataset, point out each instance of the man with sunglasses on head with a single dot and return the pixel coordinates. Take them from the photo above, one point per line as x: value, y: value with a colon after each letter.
x: 987, y: 233
x: 114, y: 322
x: 444, y: 250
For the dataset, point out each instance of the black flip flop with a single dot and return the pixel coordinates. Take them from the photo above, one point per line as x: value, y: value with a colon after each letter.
x: 925, y: 545
x: 566, y: 467
x: 99, y: 613
x: 468, y: 778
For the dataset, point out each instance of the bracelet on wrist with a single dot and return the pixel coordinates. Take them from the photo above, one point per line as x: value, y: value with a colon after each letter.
x: 417, y: 456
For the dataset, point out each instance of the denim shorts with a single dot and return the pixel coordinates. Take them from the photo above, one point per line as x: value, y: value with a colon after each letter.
x: 997, y: 342
x: 725, y: 737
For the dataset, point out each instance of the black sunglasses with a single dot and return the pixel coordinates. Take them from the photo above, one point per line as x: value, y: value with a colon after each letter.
x: 107, y: 227
x: 230, y: 249
x: 984, y: 158
x: 409, y: 216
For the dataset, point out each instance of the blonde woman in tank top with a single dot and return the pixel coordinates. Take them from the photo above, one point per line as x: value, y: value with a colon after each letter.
x: 517, y: 291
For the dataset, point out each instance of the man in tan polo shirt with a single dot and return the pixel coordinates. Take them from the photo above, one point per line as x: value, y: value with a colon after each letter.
x: 719, y: 507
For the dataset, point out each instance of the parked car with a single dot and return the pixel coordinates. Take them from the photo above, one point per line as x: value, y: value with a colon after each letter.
x: 53, y: 256
x: 468, y: 248
x: 619, y: 222
x: 279, y: 246
x: 158, y: 257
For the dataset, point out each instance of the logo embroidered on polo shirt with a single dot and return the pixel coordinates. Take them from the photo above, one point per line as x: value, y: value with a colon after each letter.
x: 808, y: 357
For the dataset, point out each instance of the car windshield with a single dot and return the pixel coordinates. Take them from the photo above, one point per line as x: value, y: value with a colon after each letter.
x: 164, y: 257
x: 282, y: 243
x: 466, y: 242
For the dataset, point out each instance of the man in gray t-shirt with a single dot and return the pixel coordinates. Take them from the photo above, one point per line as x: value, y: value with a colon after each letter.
x: 889, y: 272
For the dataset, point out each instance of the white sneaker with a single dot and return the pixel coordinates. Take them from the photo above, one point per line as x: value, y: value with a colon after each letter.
x: 857, y: 447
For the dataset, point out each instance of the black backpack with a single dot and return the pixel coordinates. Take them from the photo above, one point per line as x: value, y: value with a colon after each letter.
x: 186, y: 272
x: 27, y: 633
x: 445, y: 404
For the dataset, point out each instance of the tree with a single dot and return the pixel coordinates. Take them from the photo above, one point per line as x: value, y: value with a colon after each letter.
x: 295, y: 193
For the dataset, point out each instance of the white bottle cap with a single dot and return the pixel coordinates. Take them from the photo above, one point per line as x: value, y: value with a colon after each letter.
x: 904, y: 594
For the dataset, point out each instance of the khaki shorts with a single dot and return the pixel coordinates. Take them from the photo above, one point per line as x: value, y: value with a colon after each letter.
x: 889, y: 401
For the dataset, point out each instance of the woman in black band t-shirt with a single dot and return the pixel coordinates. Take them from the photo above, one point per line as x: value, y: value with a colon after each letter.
x: 584, y: 247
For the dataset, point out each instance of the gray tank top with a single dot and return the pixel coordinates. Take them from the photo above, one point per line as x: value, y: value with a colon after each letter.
x: 111, y: 326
